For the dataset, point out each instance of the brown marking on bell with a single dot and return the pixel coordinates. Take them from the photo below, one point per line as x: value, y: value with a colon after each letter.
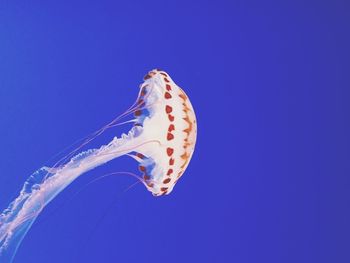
x: 169, y: 151
x: 162, y: 73
x: 168, y: 109
x: 150, y: 184
x: 187, y: 119
x: 140, y: 101
x: 142, y: 168
x: 137, y: 113
x: 148, y: 76
x: 140, y: 155
x: 170, y: 136
x: 171, y: 117
x: 171, y: 128
x: 166, y: 181
x: 186, y: 144
x: 167, y: 95
x: 163, y: 189
x: 166, y: 80
x: 186, y: 108
x: 168, y: 87
x: 143, y: 91
x: 146, y: 177
x: 170, y: 171
x: 171, y: 161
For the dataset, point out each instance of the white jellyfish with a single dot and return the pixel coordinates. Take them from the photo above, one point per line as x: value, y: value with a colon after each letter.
x: 162, y: 141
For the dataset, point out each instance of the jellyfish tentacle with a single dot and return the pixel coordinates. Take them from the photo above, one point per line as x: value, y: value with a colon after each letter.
x: 135, y: 106
x: 133, y: 175
x: 40, y: 189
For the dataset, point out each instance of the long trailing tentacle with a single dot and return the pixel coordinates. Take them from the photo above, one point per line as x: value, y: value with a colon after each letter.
x: 120, y: 173
x: 132, y: 109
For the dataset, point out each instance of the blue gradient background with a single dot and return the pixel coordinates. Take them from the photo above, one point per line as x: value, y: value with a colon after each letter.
x: 269, y: 80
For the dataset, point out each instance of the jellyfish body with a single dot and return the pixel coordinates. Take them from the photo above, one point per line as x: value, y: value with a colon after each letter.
x: 162, y: 140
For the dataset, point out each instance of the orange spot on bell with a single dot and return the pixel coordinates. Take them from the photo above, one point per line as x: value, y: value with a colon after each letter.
x: 188, y: 130
x: 184, y: 164
x: 171, y: 161
x: 186, y: 144
x: 142, y: 168
x: 170, y: 171
x: 187, y: 119
x: 168, y: 87
x: 185, y: 108
x: 183, y: 96
x: 184, y: 156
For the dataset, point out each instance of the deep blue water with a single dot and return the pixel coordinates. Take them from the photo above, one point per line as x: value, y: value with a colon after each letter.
x: 269, y: 81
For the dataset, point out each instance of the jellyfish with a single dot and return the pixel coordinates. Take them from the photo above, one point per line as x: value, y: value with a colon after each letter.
x: 161, y: 140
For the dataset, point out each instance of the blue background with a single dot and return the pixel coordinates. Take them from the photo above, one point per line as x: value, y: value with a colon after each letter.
x: 269, y: 80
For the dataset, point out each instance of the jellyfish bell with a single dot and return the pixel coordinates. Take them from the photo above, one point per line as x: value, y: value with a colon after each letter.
x: 167, y: 118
